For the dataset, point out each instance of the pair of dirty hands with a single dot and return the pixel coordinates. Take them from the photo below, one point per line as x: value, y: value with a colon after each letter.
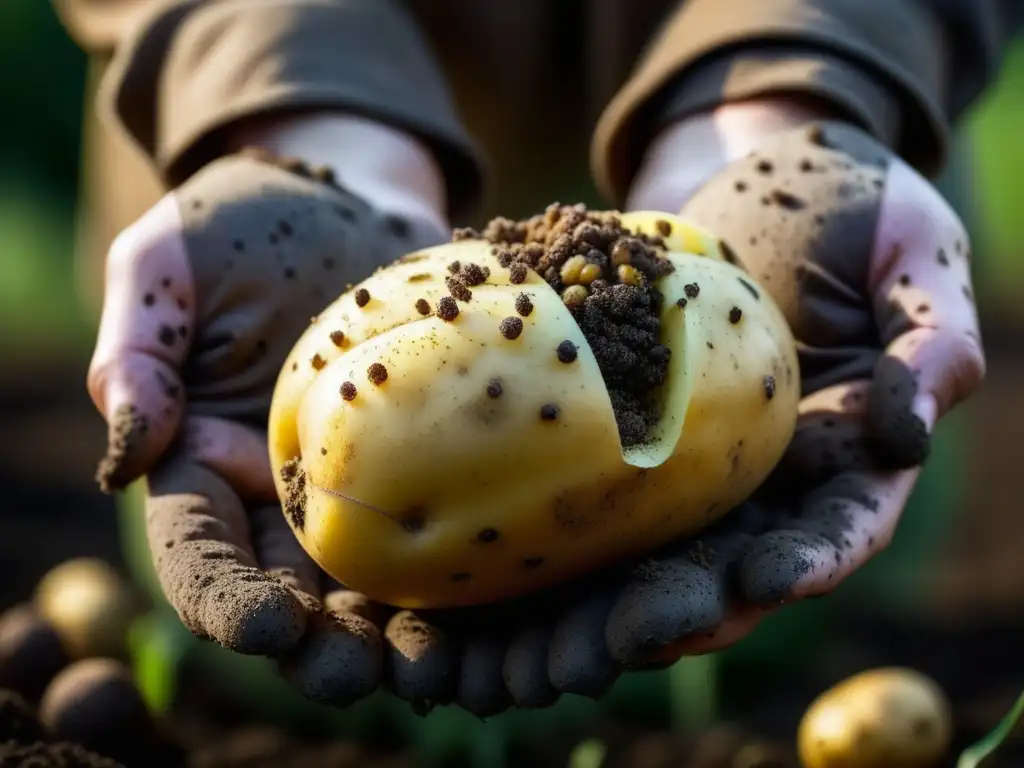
x: 206, y: 294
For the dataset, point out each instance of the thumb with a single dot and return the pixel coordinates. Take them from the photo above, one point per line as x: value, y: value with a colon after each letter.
x: 921, y: 283
x: 145, y: 331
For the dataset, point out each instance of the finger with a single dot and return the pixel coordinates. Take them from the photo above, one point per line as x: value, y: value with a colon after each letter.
x: 349, y: 601
x: 235, y: 452
x: 278, y: 552
x: 339, y: 661
x: 668, y: 599
x: 829, y: 437
x: 739, y: 622
x: 925, y: 311
x: 421, y: 661
x: 680, y: 593
x: 839, y: 527
x: 199, y: 541
x: 578, y: 657
x: 525, y: 669
x: 481, y: 688
x: 145, y: 329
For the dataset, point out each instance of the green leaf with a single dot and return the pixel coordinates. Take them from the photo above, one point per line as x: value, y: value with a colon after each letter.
x: 973, y: 755
x: 588, y: 754
x: 158, y: 643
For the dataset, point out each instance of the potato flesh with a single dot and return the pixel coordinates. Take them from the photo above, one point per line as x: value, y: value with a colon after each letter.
x: 430, y: 444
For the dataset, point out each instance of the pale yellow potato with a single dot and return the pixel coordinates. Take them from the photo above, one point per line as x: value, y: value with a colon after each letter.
x: 90, y: 606
x: 426, y: 491
x: 892, y: 717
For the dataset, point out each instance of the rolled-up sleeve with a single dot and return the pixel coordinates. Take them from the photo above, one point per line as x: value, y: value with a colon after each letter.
x: 187, y: 69
x: 903, y: 70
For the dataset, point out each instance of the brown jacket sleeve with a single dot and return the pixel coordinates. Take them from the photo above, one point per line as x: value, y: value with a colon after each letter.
x: 902, y: 69
x: 184, y: 70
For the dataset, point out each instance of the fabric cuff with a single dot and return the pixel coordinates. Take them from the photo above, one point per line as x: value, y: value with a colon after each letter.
x: 888, y: 82
x: 190, y: 69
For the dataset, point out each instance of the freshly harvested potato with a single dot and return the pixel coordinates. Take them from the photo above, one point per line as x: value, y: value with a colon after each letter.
x: 458, y: 428
x: 89, y: 605
x: 891, y: 717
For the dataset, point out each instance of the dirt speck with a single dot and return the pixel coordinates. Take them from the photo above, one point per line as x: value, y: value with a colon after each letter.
x: 511, y: 328
x: 549, y: 412
x: 567, y: 352
x: 523, y: 305
x: 458, y: 289
x: 447, y: 309
x: 787, y: 200
x: 487, y: 536
x: 167, y: 337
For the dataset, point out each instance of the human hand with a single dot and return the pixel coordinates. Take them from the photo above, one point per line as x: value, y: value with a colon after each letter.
x: 205, y: 297
x: 871, y: 268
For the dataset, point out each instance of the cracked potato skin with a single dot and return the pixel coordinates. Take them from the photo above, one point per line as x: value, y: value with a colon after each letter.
x: 446, y: 462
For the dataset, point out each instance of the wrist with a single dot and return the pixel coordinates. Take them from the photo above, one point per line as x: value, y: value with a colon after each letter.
x: 390, y: 169
x: 686, y: 153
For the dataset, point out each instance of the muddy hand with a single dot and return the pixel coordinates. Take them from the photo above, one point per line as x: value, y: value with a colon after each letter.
x: 872, y: 270
x: 205, y: 297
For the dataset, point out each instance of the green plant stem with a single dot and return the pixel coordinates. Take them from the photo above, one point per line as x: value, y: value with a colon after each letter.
x: 693, y: 693
x: 973, y: 755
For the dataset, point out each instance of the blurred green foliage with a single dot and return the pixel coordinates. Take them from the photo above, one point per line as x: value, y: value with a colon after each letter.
x: 42, y: 93
x: 994, y: 129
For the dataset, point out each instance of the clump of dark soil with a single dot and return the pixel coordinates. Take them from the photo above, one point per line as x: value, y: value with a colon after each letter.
x: 30, y: 653
x: 607, y: 277
x: 40, y: 754
x: 294, y: 503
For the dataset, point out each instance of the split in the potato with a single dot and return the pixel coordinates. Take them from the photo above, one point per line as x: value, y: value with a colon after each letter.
x: 606, y: 275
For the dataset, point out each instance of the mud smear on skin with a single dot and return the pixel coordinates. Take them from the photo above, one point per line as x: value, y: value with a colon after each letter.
x: 128, y: 429
x: 606, y: 275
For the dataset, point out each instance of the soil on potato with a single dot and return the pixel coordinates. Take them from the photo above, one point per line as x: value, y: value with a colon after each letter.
x: 606, y: 275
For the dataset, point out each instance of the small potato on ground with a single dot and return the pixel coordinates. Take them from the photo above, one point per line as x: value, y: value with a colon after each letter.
x: 891, y: 717
x: 90, y: 605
